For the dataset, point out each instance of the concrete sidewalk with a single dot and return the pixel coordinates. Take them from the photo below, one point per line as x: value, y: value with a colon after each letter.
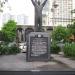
x: 18, y: 63
x: 60, y: 58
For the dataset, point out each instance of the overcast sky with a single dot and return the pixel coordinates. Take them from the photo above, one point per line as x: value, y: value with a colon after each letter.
x: 16, y: 7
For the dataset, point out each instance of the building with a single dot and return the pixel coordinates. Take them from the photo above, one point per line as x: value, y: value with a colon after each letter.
x: 61, y: 10
x: 21, y: 19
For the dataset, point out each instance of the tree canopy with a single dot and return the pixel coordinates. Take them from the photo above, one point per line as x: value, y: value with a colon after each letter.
x: 9, y: 30
x: 60, y: 33
x: 2, y: 4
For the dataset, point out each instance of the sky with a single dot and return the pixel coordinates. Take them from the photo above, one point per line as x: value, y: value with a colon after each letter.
x: 16, y: 7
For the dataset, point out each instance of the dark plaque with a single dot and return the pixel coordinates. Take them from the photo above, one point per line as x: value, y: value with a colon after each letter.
x: 38, y: 46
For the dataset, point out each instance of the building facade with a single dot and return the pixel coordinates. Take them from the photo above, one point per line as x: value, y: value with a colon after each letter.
x: 61, y: 10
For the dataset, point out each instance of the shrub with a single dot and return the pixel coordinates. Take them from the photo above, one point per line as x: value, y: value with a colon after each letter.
x: 14, y: 50
x: 5, y: 49
x: 60, y: 33
x: 54, y: 48
x: 0, y: 49
x: 69, y: 49
x: 71, y: 27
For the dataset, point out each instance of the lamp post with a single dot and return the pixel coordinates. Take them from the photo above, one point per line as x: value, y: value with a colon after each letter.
x: 54, y: 6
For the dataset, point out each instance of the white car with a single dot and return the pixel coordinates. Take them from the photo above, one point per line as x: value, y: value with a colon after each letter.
x: 23, y: 47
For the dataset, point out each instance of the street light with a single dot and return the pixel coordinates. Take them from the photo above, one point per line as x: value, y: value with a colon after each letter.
x: 54, y: 6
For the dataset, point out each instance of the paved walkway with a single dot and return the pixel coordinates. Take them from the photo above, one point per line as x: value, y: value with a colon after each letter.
x: 18, y: 63
x: 69, y: 62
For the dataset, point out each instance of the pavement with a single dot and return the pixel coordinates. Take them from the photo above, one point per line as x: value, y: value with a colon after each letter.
x: 67, y: 61
x: 18, y: 63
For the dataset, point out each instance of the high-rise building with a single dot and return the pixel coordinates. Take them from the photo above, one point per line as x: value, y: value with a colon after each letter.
x: 61, y: 10
x: 20, y: 19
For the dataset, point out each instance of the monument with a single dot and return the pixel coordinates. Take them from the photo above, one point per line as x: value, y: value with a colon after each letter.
x: 38, y: 43
x: 38, y: 14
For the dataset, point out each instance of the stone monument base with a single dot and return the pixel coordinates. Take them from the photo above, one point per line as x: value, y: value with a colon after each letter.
x: 38, y: 46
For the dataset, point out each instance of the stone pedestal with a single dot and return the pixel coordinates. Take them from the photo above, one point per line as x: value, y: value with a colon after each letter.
x: 38, y: 46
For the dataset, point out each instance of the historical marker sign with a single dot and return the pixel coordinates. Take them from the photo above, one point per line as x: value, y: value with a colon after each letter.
x: 38, y: 46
